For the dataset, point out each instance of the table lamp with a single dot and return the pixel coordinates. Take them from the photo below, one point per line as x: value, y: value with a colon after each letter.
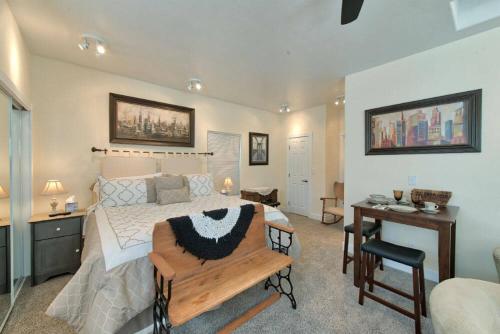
x: 228, y: 184
x: 3, y: 193
x: 52, y: 188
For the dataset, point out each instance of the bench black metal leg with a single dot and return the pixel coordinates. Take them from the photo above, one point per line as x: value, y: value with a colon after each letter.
x: 280, y: 288
x: 161, y: 324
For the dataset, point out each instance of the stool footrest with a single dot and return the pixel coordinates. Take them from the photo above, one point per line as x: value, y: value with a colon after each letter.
x: 390, y: 288
x: 390, y: 305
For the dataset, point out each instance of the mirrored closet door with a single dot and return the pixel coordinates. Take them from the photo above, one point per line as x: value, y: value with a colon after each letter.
x: 15, y: 200
x: 5, y: 283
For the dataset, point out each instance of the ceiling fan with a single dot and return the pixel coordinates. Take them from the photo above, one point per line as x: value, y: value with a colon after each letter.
x: 350, y: 10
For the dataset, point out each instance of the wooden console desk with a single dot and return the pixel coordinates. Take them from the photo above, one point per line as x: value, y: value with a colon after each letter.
x: 444, y: 223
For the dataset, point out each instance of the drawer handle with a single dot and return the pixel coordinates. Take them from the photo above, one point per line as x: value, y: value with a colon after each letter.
x: 77, y: 250
x: 58, y: 229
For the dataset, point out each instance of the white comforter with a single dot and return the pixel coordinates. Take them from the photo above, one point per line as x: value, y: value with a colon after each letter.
x: 126, y: 231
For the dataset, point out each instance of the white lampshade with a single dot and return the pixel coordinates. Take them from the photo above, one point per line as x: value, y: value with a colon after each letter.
x: 53, y: 187
x: 3, y: 193
x: 228, y: 182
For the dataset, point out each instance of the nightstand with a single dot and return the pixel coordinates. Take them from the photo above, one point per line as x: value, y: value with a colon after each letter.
x: 4, y: 255
x: 56, y: 244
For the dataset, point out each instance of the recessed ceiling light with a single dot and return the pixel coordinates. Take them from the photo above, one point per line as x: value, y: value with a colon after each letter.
x: 194, y: 85
x: 284, y: 108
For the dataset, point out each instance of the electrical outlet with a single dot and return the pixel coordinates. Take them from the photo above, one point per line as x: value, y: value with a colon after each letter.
x: 412, y: 180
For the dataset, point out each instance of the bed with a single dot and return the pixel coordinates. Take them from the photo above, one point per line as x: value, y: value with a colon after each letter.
x: 113, y: 290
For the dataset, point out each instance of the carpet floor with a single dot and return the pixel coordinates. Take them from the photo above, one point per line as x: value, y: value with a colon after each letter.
x: 326, y: 298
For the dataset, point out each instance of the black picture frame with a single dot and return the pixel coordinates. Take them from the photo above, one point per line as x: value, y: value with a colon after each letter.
x: 148, y: 138
x: 471, y: 123
x: 252, y: 159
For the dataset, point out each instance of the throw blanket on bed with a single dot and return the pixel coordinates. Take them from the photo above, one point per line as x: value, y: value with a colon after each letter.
x: 214, y: 234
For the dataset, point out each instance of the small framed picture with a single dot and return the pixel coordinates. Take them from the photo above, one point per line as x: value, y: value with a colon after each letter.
x: 259, y: 149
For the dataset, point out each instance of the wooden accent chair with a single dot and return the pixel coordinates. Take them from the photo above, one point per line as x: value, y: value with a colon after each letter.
x: 187, y: 286
x: 336, y: 210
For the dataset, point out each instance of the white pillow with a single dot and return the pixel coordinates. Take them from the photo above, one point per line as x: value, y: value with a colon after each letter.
x: 200, y: 184
x: 95, y: 187
x: 121, y: 192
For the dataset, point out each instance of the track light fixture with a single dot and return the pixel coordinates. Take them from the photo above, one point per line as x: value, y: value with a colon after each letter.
x: 284, y: 108
x: 194, y: 85
x: 90, y: 40
x: 339, y: 100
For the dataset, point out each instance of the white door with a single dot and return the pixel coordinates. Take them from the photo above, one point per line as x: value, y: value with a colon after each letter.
x: 299, y: 174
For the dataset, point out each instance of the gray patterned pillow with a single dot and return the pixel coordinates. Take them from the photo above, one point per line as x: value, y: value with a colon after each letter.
x: 122, y: 192
x: 171, y: 196
x: 169, y: 182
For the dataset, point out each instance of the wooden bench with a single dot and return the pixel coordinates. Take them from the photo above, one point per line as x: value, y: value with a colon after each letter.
x: 186, y: 288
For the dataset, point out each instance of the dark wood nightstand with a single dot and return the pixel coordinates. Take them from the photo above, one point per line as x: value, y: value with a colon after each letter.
x: 56, y: 244
x: 4, y: 255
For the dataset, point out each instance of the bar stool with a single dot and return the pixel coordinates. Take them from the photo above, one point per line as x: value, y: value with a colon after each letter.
x: 404, y: 255
x: 368, y: 229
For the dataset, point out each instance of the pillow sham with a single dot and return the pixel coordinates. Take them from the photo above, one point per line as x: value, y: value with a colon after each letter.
x: 96, y: 189
x: 122, y: 192
x: 171, y: 196
x: 200, y: 184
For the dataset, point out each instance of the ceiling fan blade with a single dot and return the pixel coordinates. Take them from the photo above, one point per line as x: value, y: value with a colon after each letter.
x: 350, y: 10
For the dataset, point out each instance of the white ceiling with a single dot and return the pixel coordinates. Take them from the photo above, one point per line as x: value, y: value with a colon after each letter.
x: 258, y: 53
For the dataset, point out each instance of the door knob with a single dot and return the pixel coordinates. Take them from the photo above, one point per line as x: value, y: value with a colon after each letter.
x: 305, y: 181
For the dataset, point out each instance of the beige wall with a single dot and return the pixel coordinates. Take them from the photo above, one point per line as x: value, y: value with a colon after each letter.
x: 14, y: 56
x: 70, y: 115
x: 334, y: 142
x: 310, y: 121
x: 467, y: 64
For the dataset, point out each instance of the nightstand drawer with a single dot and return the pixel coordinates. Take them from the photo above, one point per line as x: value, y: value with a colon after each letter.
x: 57, y: 255
x: 57, y: 228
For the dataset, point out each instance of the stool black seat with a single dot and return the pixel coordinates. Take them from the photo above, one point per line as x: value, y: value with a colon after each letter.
x: 405, y: 255
x: 368, y: 229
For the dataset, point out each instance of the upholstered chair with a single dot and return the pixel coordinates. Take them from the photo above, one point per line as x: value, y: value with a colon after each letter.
x: 464, y: 305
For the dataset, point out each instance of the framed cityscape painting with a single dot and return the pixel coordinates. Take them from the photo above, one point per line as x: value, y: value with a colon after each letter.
x: 259, y: 148
x: 143, y: 122
x: 444, y: 124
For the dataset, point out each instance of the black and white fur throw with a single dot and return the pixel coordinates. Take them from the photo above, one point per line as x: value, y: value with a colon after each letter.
x: 213, y: 234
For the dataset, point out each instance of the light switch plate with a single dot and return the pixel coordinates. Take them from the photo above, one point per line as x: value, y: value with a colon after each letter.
x: 412, y: 180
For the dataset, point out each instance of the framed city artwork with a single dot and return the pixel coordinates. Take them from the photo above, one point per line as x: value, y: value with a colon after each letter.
x: 259, y: 148
x: 143, y: 122
x: 444, y: 124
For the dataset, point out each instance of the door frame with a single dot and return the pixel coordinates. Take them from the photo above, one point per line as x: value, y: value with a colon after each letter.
x: 310, y: 183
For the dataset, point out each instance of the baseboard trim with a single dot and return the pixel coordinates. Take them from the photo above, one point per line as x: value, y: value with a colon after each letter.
x: 315, y: 216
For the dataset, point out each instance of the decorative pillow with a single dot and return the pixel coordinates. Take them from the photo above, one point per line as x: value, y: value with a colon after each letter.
x: 169, y: 182
x: 122, y: 192
x: 171, y: 196
x: 200, y: 184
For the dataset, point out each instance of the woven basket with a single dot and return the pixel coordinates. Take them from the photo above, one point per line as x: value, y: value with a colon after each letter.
x: 441, y: 198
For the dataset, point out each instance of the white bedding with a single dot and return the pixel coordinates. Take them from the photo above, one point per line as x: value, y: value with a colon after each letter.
x: 126, y: 231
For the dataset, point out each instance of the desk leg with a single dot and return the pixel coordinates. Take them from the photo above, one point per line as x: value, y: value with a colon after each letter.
x: 357, y: 245
x: 452, y: 256
x: 444, y: 251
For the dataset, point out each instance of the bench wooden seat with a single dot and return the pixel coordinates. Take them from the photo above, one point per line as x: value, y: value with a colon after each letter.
x: 186, y: 288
